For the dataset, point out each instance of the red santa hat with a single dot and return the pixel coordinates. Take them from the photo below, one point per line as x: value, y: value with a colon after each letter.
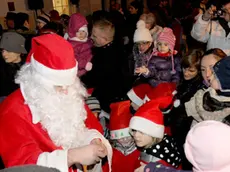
x: 149, y: 119
x: 161, y: 90
x: 119, y: 120
x: 53, y: 58
x: 137, y: 93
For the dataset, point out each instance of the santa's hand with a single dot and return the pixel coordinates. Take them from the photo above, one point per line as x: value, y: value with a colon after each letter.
x: 99, y: 142
x: 141, y: 168
x: 86, y: 155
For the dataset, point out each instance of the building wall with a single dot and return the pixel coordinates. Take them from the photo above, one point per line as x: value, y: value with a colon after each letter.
x: 86, y: 7
x: 21, y: 6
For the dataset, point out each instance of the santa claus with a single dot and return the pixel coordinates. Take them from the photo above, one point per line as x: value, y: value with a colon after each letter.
x: 46, y: 121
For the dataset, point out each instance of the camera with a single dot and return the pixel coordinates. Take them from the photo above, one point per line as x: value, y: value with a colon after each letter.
x: 218, y: 13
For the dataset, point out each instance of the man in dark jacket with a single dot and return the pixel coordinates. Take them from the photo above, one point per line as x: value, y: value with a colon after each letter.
x: 107, y: 74
x: 12, y: 57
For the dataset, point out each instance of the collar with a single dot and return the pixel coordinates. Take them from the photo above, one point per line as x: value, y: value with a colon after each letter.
x: 125, y: 150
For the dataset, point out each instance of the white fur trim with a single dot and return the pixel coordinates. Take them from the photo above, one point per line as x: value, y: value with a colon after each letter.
x: 56, y: 77
x: 78, y: 40
x: 147, y: 127
x: 56, y: 159
x: 134, y: 98
x: 119, y: 134
x: 146, y: 99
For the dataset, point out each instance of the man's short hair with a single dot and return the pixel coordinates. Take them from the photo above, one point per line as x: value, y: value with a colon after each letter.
x: 107, y: 28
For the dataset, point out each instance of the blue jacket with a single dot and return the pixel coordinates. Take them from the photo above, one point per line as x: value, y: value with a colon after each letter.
x: 161, y: 70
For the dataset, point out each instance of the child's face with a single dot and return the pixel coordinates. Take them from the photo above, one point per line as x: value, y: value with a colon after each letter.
x: 163, y: 47
x: 40, y: 25
x: 126, y: 142
x: 81, y: 34
x: 142, y: 140
x: 189, y: 73
x: 97, y: 37
x: 143, y: 46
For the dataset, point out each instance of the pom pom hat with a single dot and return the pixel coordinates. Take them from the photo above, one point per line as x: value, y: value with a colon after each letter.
x: 119, y: 120
x: 149, y: 118
x: 207, y: 147
x: 53, y: 58
x: 142, y: 34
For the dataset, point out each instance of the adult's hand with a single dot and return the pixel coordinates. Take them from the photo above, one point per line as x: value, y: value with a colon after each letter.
x: 86, y: 155
x: 209, y: 13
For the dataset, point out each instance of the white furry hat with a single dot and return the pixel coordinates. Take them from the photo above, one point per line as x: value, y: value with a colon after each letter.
x: 142, y: 33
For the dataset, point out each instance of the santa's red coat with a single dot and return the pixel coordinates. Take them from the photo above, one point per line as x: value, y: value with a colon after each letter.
x: 21, y: 141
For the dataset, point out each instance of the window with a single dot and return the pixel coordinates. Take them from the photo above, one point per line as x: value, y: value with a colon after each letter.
x: 62, y: 6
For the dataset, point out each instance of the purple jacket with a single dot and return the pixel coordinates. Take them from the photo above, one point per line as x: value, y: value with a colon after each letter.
x: 82, y: 50
x: 83, y: 54
x: 157, y: 167
x: 161, y: 70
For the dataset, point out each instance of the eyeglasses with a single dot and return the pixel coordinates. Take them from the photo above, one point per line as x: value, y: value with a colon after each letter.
x: 143, y: 43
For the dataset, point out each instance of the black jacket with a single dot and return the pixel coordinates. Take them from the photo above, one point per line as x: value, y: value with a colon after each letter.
x: 8, y: 72
x: 107, y: 76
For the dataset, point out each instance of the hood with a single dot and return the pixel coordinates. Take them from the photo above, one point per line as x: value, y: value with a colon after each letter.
x: 75, y: 23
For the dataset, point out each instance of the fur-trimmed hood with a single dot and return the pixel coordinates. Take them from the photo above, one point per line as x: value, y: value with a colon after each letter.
x: 207, y: 105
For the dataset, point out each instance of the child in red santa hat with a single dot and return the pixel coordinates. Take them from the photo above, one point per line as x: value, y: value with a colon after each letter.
x: 78, y: 38
x: 125, y: 154
x: 162, y: 90
x: 163, y: 66
x: 147, y: 129
x: 136, y: 95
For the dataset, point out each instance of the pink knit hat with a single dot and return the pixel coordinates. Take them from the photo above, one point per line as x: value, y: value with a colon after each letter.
x: 167, y: 36
x: 207, y: 147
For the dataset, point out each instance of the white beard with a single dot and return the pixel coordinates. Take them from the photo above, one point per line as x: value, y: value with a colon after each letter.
x: 62, y: 116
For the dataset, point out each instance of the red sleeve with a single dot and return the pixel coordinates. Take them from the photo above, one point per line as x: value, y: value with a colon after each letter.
x: 17, y: 145
x: 92, y: 122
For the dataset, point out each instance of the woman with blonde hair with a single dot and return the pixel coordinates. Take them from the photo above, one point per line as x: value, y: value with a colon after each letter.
x: 151, y: 24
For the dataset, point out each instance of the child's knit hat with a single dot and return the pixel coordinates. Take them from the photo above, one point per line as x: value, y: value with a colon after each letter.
x: 142, y: 34
x: 167, y: 36
x: 222, y: 72
x: 43, y: 19
x: 207, y: 147
x: 93, y: 104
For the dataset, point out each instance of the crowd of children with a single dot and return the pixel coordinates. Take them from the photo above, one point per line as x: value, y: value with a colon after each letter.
x: 170, y: 113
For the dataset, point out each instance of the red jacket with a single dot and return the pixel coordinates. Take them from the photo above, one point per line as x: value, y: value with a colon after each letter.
x: 21, y: 141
